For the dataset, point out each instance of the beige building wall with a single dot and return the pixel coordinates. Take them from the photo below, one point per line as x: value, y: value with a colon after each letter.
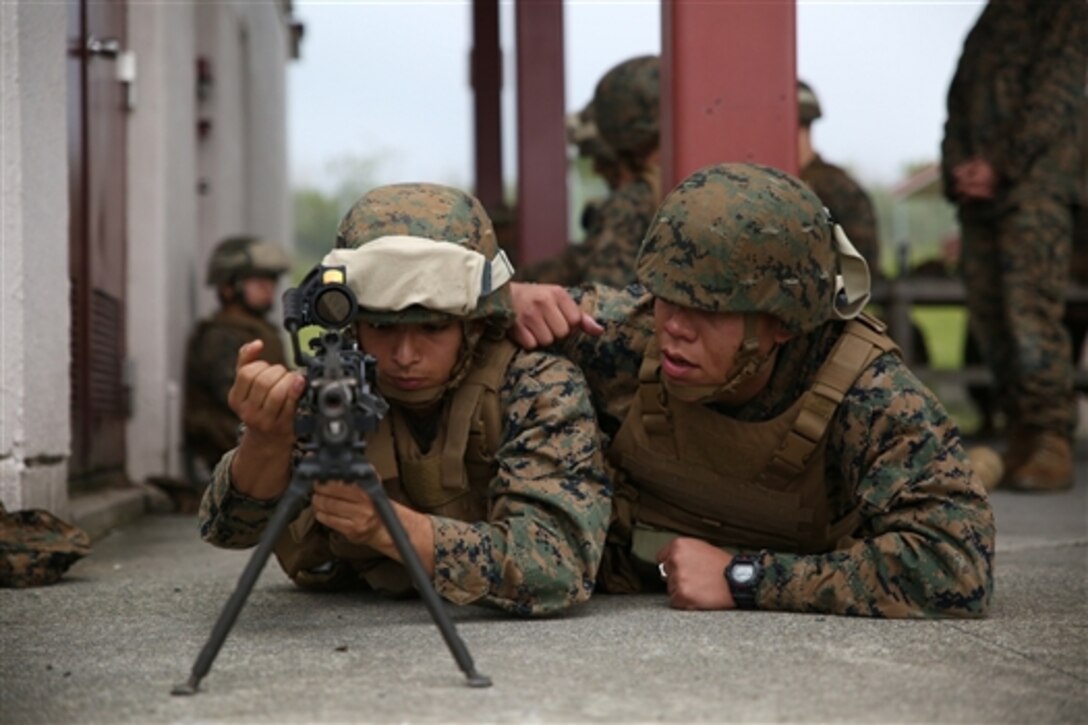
x: 34, y: 314
x: 203, y: 164
x: 184, y: 193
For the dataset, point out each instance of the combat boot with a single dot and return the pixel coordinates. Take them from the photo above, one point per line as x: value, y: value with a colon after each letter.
x: 987, y: 464
x: 1018, y: 446
x: 1048, y: 465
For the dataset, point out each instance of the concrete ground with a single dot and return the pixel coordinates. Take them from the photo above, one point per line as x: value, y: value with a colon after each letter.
x: 124, y: 626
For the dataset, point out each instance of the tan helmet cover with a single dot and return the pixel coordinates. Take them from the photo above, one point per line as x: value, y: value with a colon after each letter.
x: 435, y: 214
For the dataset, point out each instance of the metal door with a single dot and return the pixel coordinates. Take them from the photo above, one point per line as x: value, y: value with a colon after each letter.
x: 97, y: 240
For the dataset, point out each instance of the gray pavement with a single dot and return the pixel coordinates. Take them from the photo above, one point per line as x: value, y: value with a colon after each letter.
x: 125, y: 625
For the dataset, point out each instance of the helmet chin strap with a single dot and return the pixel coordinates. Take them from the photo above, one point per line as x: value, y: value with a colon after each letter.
x: 749, y: 363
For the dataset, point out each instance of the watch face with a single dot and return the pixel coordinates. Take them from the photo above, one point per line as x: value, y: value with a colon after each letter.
x: 743, y: 573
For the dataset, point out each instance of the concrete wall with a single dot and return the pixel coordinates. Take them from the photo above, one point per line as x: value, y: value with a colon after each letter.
x: 187, y: 191
x: 162, y: 230
x: 34, y: 316
x: 243, y: 160
x: 241, y: 168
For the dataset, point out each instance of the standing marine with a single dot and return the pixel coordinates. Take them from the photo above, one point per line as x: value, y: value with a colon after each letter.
x: 849, y: 204
x: 625, y: 110
x: 1013, y: 163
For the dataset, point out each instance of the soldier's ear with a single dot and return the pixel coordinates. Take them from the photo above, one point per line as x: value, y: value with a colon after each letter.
x: 780, y: 332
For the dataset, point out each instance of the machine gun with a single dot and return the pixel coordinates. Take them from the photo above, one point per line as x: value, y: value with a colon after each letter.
x: 335, y: 412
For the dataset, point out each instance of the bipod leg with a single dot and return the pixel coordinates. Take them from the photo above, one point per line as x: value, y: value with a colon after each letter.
x: 293, y: 499
x: 411, y: 561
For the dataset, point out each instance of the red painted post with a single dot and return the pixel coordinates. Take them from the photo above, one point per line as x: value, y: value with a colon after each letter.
x: 485, y: 68
x: 542, y: 144
x: 728, y: 84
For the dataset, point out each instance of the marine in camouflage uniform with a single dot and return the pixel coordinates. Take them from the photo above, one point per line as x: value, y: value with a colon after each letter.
x: 838, y: 479
x: 210, y: 426
x: 1012, y: 160
x: 500, y: 467
x: 625, y: 110
x: 839, y: 192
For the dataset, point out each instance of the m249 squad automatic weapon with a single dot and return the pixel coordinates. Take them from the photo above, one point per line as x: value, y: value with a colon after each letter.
x: 336, y: 411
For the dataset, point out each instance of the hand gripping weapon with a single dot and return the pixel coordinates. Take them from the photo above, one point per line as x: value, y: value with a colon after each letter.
x: 334, y: 413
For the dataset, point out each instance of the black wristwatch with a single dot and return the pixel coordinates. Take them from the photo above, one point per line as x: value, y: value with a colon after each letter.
x: 743, y: 576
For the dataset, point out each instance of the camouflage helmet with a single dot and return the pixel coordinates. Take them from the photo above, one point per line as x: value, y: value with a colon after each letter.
x: 427, y: 211
x: 743, y: 238
x: 808, y: 105
x: 245, y: 256
x: 626, y: 104
x: 583, y: 133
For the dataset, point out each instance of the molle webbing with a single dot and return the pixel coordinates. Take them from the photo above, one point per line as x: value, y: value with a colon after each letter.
x: 465, y: 446
x: 861, y: 343
x: 756, y: 483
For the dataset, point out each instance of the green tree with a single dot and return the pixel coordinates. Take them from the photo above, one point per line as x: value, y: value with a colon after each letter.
x: 318, y: 211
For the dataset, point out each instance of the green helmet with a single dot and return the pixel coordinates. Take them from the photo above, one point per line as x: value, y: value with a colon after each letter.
x: 808, y: 105
x: 582, y: 132
x: 743, y: 238
x: 242, y: 256
x: 427, y: 211
x: 626, y: 105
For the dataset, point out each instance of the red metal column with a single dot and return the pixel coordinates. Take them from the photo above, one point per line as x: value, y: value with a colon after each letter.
x: 542, y: 144
x: 728, y: 79
x: 486, y: 72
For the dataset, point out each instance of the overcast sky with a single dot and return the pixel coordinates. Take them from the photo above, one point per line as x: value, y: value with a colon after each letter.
x: 389, y: 80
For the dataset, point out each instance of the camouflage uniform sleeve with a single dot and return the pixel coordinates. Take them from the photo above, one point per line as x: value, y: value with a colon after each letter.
x: 550, y: 503
x: 1049, y: 111
x: 955, y: 144
x: 611, y: 362
x: 925, y: 544
x: 230, y: 519
x: 609, y: 254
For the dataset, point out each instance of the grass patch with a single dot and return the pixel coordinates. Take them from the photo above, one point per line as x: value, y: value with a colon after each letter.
x: 945, y: 331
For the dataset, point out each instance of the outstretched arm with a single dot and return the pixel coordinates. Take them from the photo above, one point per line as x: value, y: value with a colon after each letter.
x: 547, y: 313
x: 925, y: 544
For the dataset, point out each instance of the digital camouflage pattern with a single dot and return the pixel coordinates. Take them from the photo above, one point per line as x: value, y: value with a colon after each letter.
x: 626, y: 105
x: 36, y: 547
x: 549, y: 502
x: 925, y: 544
x: 743, y: 238
x: 210, y: 426
x: 849, y: 204
x: 237, y: 257
x: 607, y: 256
x: 1015, y: 269
x: 1018, y: 100
x: 582, y: 132
x: 427, y: 211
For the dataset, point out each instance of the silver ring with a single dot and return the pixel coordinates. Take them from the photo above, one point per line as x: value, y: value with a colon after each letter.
x: 661, y: 570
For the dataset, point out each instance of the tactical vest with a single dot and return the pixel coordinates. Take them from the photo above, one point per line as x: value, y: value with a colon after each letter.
x: 452, y: 480
x: 743, y: 484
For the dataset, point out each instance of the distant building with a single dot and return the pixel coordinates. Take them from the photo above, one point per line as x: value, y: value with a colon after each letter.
x: 135, y: 135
